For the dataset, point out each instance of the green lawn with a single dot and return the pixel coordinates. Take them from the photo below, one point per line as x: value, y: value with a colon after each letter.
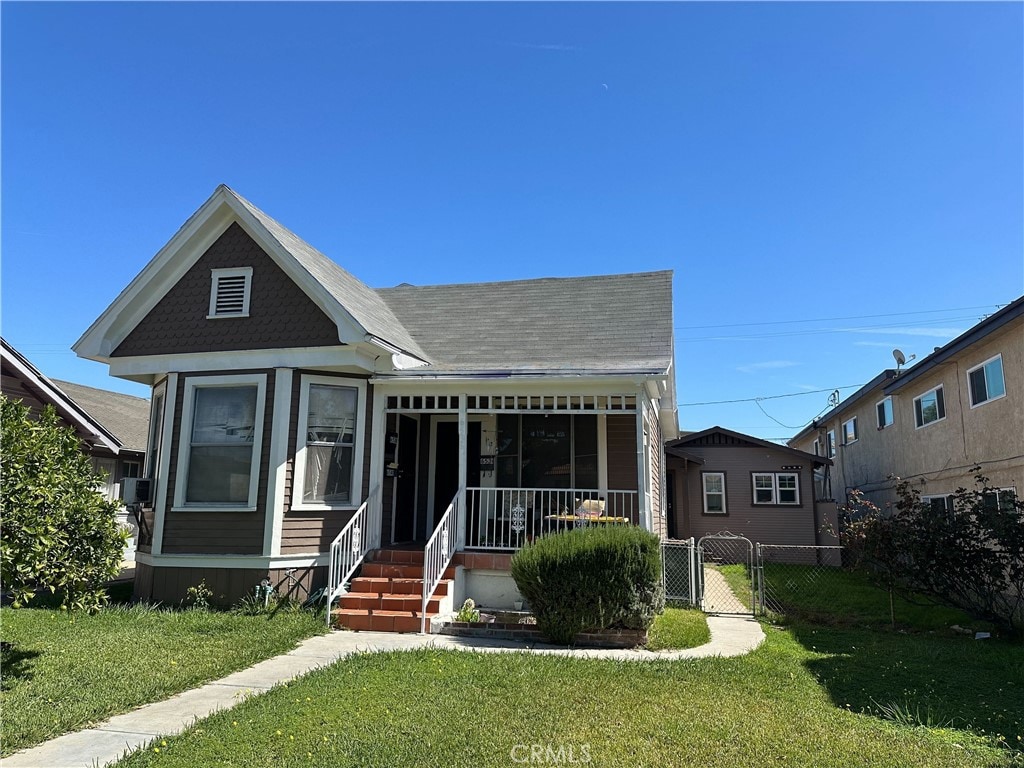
x: 796, y: 701
x: 678, y: 628
x: 66, y: 671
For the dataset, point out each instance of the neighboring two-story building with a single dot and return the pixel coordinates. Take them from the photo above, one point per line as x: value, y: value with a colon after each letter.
x: 959, y: 408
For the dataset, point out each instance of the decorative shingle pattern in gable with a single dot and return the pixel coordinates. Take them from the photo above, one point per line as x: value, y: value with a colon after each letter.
x: 606, y: 323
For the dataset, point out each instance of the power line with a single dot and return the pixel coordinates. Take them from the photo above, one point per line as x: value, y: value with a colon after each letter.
x: 831, y: 319
x: 771, y: 397
x: 818, y: 331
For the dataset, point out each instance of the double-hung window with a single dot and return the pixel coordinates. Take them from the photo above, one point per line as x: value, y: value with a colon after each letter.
x: 329, y: 454
x: 714, y: 493
x: 986, y: 381
x: 884, y: 410
x: 776, y: 488
x: 221, y: 440
x: 850, y: 431
x: 929, y: 407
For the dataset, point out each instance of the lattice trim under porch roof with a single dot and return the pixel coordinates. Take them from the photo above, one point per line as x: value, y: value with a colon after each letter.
x: 621, y: 403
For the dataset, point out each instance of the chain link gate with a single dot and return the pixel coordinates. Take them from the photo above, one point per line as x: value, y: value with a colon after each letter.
x: 722, y: 557
x: 679, y: 570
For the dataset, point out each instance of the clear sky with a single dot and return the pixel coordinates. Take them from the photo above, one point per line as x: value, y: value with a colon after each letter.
x: 828, y: 181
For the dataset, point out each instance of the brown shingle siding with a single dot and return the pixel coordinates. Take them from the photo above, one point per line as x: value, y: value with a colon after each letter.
x: 280, y: 313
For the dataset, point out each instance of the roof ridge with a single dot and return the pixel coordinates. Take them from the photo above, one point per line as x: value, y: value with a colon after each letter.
x: 589, y: 278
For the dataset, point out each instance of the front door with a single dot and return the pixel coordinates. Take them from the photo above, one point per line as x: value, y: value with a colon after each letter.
x: 446, y: 463
x: 405, y: 481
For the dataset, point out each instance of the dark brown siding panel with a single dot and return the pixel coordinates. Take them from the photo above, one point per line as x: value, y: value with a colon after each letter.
x: 280, y: 313
x: 233, y: 533
x: 311, y: 532
x: 229, y: 585
x: 621, y: 432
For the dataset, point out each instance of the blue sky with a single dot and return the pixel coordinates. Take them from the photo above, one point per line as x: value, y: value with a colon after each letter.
x: 828, y: 181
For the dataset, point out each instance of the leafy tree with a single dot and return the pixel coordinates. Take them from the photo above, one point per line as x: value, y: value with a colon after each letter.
x: 971, y: 557
x: 60, y: 534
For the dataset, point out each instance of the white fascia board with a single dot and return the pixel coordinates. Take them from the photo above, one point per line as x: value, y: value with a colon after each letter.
x: 68, y: 407
x: 162, y: 272
x: 179, y: 255
x: 340, y: 358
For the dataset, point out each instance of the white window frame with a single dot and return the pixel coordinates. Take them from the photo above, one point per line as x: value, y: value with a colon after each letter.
x: 830, y: 444
x: 704, y: 493
x: 946, y: 497
x: 923, y: 424
x: 299, y: 476
x: 155, y: 438
x: 776, y: 500
x: 885, y: 401
x: 817, y: 447
x: 1009, y: 489
x: 185, y: 440
x: 1002, y: 372
x: 215, y: 278
x: 846, y: 434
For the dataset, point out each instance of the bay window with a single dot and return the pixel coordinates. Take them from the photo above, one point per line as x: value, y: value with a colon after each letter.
x: 221, y: 438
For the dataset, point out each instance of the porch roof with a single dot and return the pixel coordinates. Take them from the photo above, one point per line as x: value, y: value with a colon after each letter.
x: 607, y: 323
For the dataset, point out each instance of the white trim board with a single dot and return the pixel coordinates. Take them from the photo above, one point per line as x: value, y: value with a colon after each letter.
x: 232, y: 561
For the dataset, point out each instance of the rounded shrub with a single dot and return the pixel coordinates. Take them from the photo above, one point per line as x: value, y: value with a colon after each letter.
x: 591, y: 579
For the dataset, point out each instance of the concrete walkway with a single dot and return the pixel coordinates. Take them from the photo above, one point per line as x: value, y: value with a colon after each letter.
x: 109, y: 741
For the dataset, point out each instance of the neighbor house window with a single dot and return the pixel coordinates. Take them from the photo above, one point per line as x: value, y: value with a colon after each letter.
x: 329, y: 457
x: 987, y: 381
x: 942, y: 504
x: 830, y: 443
x: 132, y: 469
x: 850, y: 431
x: 776, y: 488
x: 1001, y: 498
x: 929, y: 407
x: 884, y: 410
x: 221, y: 438
x: 229, y: 292
x: 714, y: 493
x: 817, y: 447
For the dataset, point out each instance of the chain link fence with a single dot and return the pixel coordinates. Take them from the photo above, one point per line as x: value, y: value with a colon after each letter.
x: 804, y: 577
x: 679, y: 570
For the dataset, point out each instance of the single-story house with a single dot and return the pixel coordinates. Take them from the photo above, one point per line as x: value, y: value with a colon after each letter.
x: 720, y: 480
x: 304, y: 421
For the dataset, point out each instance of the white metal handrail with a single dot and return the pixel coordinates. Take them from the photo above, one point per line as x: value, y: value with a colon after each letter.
x: 508, y: 518
x: 438, y: 554
x: 359, y: 536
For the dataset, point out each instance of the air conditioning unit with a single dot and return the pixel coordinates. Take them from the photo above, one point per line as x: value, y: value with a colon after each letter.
x: 136, y: 490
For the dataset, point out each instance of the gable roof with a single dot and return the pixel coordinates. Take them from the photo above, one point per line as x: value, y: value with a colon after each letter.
x: 360, y: 313
x: 608, y: 324
x: 754, y: 442
x: 125, y: 416
x: 88, y: 426
x: 989, y: 325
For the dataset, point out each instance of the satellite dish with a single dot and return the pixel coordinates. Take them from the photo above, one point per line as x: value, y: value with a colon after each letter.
x: 901, y: 359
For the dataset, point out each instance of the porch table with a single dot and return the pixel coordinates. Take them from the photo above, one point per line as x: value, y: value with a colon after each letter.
x: 563, y: 521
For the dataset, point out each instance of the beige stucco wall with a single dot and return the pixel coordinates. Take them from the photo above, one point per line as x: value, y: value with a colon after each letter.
x: 937, y: 458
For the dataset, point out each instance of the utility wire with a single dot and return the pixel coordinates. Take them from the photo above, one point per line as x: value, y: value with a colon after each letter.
x: 770, y: 397
x: 831, y: 319
x: 817, y: 331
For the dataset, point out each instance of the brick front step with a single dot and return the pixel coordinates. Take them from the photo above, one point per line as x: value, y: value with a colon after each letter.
x: 398, y: 571
x: 385, y: 586
x: 396, y: 556
x: 377, y: 620
x: 390, y: 602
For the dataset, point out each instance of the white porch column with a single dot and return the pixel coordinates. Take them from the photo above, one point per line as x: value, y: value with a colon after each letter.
x: 167, y: 434
x: 274, y: 513
x: 460, y: 542
x: 641, y: 465
x: 378, y: 436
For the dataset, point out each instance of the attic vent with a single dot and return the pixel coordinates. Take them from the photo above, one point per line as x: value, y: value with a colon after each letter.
x: 229, y: 292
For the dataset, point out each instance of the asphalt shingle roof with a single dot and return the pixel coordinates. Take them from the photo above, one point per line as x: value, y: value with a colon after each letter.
x: 125, y: 416
x: 362, y: 302
x: 603, y: 323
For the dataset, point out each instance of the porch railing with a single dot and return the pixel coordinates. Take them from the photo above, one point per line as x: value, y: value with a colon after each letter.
x: 360, y: 535
x: 438, y: 554
x: 507, y: 518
